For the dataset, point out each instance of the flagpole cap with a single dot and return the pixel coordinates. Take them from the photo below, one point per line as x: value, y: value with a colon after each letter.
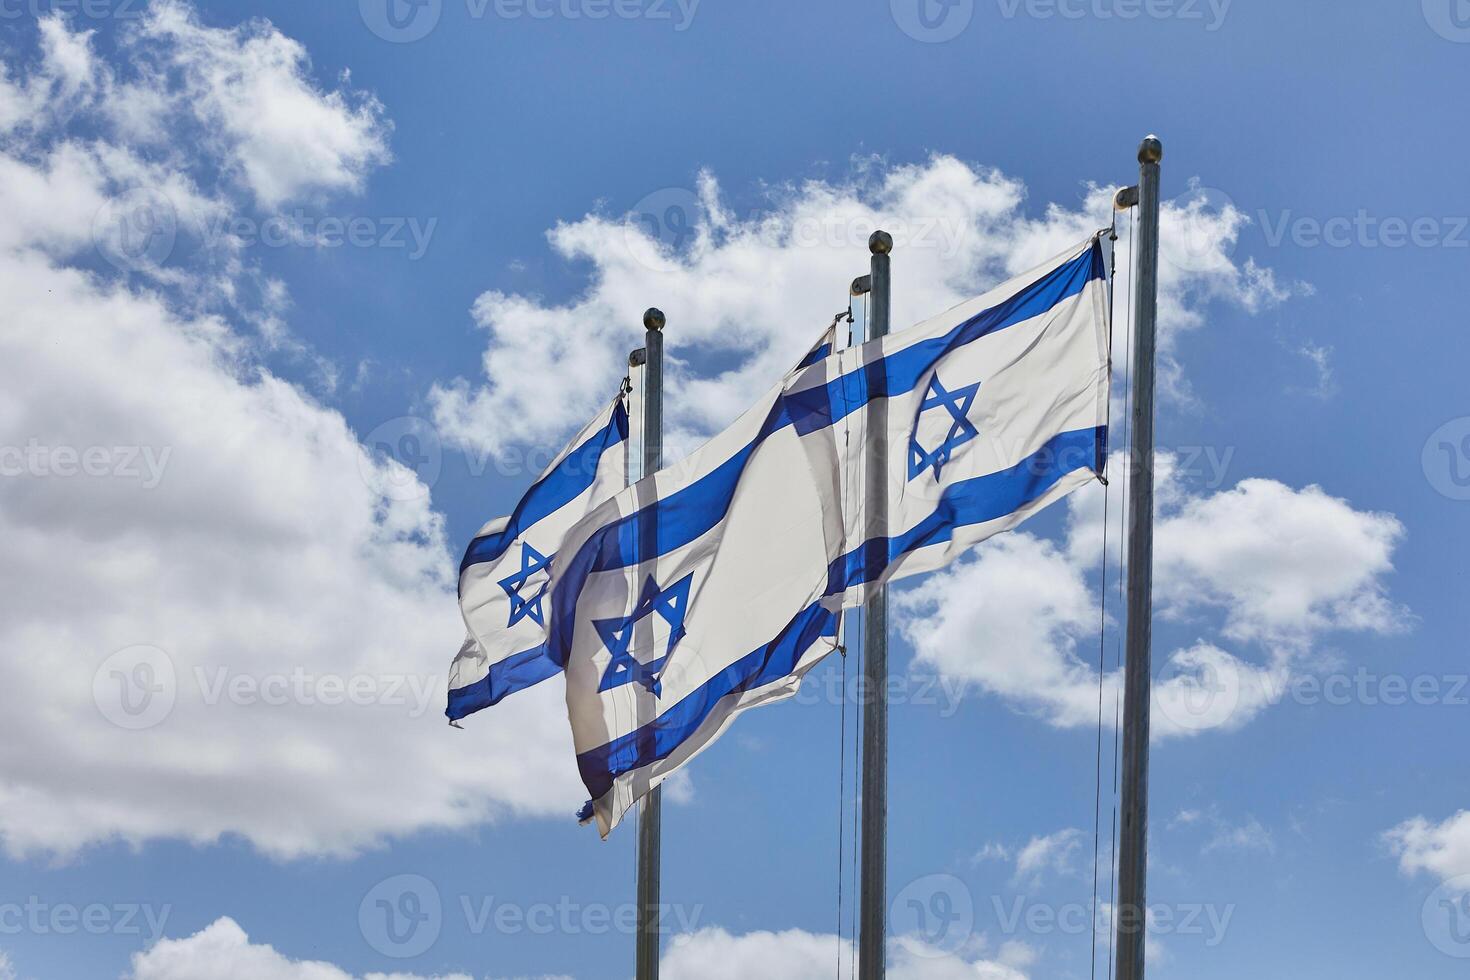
x: 1151, y: 150
x: 880, y: 243
x: 653, y: 319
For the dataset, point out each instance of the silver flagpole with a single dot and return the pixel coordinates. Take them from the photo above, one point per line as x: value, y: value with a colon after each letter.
x: 873, y: 910
x: 1131, y: 913
x: 650, y: 813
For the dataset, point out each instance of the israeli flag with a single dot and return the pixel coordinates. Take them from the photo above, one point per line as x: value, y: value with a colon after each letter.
x: 988, y: 413
x: 714, y: 586
x: 673, y: 607
x: 504, y: 577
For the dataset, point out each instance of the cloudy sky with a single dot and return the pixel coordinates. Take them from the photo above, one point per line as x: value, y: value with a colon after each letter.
x: 294, y: 296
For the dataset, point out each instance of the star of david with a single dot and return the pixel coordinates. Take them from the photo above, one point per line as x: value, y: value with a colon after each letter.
x: 617, y: 635
x: 534, y: 565
x: 957, y: 403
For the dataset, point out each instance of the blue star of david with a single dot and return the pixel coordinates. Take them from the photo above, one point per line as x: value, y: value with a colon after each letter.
x: 958, y: 404
x: 617, y: 635
x: 533, y: 563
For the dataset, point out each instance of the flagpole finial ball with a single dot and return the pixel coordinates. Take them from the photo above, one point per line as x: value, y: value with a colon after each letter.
x: 880, y: 243
x: 653, y: 319
x: 1151, y: 150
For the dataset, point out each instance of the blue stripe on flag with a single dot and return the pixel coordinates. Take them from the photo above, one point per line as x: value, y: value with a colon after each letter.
x: 817, y: 354
x: 984, y: 498
x: 515, y: 673
x: 681, y: 517
x: 571, y: 478
x: 661, y: 737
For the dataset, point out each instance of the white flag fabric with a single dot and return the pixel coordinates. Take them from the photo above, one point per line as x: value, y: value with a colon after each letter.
x: 712, y: 587
x: 504, y: 576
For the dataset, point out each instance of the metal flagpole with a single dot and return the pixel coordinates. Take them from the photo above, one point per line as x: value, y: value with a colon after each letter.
x: 1131, y: 912
x: 873, y: 909
x: 650, y: 813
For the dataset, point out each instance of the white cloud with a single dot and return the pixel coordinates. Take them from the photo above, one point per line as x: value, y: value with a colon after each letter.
x: 251, y: 87
x: 272, y: 543
x: 69, y: 56
x: 1053, y: 853
x: 714, y: 954
x: 222, y: 951
x: 163, y: 488
x: 992, y: 851
x: 1203, y: 688
x: 66, y: 78
x: 1246, y: 835
x: 1439, y: 849
x: 1009, y: 621
x: 1282, y: 567
x: 911, y: 959
x: 755, y: 290
x: 679, y: 788
x: 76, y: 198
x: 246, y: 92
x: 1320, y: 358
x: 1282, y: 564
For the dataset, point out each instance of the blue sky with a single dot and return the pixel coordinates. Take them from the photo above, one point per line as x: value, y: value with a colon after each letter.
x: 1315, y: 241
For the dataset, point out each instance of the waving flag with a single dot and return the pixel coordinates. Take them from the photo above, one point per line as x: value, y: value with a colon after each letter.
x: 712, y: 587
x: 504, y: 576
x: 991, y: 411
x: 640, y: 571
x: 655, y: 669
